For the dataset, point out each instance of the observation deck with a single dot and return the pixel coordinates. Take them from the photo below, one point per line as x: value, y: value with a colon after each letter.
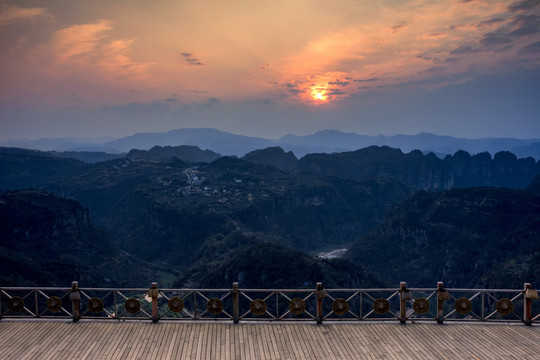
x: 235, y: 323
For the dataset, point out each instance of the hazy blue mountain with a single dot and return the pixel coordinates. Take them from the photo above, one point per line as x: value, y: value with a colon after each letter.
x: 62, y: 144
x: 329, y: 141
x: 212, y: 139
x: 326, y: 141
x: 522, y: 151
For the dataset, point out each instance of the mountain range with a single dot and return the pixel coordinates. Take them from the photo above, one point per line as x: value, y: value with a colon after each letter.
x: 208, y: 223
x: 325, y: 141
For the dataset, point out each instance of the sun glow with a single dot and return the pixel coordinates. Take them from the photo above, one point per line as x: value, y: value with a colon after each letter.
x: 319, y: 94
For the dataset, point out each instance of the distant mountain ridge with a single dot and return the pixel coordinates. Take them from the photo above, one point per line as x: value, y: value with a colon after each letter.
x: 325, y: 141
x: 426, y: 172
x: 21, y: 168
x: 184, y: 152
x: 205, y: 138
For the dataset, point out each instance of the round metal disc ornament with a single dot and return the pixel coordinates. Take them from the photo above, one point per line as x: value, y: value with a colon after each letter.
x: 297, y: 306
x: 340, y: 306
x: 214, y: 306
x: 421, y: 306
x: 505, y: 306
x: 381, y: 306
x: 95, y: 305
x: 54, y: 304
x: 176, y: 304
x: 16, y: 304
x: 133, y: 306
x: 257, y: 307
x: 463, y: 305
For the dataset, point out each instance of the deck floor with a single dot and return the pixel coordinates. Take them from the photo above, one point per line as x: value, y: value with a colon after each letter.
x: 56, y: 340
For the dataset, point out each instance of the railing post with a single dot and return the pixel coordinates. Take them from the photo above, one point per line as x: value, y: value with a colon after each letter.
x: 75, y: 298
x: 236, y: 303
x: 321, y: 294
x: 403, y: 302
x: 527, y: 304
x: 442, y: 295
x: 154, y: 294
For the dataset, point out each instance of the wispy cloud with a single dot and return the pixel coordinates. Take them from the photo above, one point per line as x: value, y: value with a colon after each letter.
x: 191, y: 59
x: 523, y: 5
x: 12, y: 14
x: 530, y: 49
x: 461, y: 50
x: 490, y: 22
x: 87, y: 57
x: 84, y: 47
x: 437, y: 35
x: 525, y: 25
x: 339, y: 82
x: 116, y: 61
x: 335, y: 92
x: 80, y: 43
x: 494, y: 39
x: 399, y: 27
x: 366, y: 80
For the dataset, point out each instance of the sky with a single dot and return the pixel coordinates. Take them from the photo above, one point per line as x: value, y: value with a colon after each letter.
x: 465, y: 68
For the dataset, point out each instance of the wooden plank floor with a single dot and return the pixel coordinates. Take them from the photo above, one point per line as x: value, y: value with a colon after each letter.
x: 56, y: 340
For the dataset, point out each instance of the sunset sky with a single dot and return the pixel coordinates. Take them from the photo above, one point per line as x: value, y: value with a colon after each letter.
x: 466, y: 68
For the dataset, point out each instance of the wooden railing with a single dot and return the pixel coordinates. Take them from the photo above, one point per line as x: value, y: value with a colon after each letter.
x: 401, y: 304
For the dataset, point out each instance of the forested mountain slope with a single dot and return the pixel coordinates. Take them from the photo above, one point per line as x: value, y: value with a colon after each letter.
x: 476, y: 237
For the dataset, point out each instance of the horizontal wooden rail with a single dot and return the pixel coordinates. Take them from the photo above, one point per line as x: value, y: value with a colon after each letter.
x: 403, y: 304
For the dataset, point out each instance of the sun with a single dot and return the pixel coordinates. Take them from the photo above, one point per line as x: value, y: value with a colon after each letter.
x: 319, y: 94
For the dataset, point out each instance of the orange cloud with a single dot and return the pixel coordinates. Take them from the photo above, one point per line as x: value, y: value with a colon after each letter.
x: 85, y: 57
x: 89, y: 47
x: 434, y: 36
x: 116, y: 62
x: 78, y: 44
x: 10, y: 14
